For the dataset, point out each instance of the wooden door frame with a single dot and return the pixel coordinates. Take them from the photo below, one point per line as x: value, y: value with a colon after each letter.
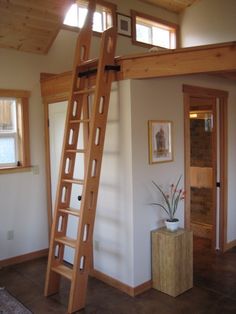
x: 54, y: 88
x: 195, y: 91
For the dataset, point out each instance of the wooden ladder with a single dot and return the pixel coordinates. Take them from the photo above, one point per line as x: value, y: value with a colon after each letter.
x: 86, y: 118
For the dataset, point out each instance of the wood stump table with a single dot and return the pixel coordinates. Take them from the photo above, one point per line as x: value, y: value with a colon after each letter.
x: 172, y: 261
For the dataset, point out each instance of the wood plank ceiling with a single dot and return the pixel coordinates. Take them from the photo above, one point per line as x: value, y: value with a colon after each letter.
x: 176, y: 6
x: 31, y: 25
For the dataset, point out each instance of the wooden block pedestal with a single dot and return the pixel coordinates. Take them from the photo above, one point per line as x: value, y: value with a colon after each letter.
x: 172, y: 261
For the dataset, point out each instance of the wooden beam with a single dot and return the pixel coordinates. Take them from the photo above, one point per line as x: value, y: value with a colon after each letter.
x: 220, y: 58
x: 203, y: 59
x: 56, y: 88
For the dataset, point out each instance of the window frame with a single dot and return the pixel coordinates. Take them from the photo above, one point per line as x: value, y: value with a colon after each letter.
x: 22, y: 132
x: 108, y: 6
x: 151, y: 21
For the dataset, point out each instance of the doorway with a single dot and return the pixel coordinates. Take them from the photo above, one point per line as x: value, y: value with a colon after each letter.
x: 206, y: 164
x: 203, y: 167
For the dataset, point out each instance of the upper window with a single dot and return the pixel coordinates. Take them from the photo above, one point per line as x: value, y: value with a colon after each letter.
x: 151, y: 31
x: 103, y: 18
x: 14, y: 134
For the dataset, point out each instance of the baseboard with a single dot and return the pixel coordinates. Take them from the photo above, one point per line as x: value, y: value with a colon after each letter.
x: 142, y: 288
x: 132, y: 291
x: 23, y: 258
x: 230, y: 245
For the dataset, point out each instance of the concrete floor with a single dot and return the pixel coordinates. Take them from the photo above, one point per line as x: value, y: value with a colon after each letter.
x: 214, y: 290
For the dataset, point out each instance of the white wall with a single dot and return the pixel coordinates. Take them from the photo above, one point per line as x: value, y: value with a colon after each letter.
x: 23, y: 195
x: 113, y: 236
x: 208, y: 22
x: 125, y: 217
x: 67, y: 38
x: 162, y: 99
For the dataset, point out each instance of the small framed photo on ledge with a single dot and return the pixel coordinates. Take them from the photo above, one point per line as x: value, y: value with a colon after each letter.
x: 160, y: 141
x: 124, y: 25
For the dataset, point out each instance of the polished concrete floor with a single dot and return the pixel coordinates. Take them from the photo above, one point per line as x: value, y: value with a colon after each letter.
x: 214, y: 290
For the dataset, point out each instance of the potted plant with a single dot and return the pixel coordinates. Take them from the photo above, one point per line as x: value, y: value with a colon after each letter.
x: 170, y: 202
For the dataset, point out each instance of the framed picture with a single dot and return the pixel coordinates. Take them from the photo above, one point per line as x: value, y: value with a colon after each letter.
x: 124, y: 25
x: 160, y: 141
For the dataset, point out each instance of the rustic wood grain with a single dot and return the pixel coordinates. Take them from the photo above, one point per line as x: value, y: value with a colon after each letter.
x: 172, y: 261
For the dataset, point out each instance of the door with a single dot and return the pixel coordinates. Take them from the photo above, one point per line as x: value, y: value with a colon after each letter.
x: 205, y: 128
x: 57, y: 117
x: 203, y: 167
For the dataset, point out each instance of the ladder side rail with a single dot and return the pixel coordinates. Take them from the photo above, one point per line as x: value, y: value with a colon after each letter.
x: 82, y: 54
x: 93, y: 155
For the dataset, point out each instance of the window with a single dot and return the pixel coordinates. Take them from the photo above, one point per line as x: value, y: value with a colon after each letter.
x: 104, y: 15
x: 14, y: 133
x: 150, y: 31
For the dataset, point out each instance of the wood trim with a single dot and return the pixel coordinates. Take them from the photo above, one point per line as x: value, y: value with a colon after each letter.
x: 132, y: 291
x: 187, y: 222
x: 204, y: 92
x: 154, y: 19
x: 230, y: 245
x: 23, y: 149
x: 112, y: 282
x: 231, y: 45
x: 179, y: 62
x: 223, y: 105
x: 142, y: 288
x: 25, y: 132
x: 214, y: 174
x: 14, y: 93
x: 15, y: 169
x: 48, y: 167
x: 216, y: 58
x: 56, y: 88
x: 172, y: 27
x: 23, y: 258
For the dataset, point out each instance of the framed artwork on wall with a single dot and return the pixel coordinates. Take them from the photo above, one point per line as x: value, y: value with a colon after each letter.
x: 160, y: 141
x: 124, y: 25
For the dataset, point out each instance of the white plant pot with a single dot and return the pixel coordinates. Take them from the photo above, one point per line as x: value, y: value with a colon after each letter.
x: 172, y: 225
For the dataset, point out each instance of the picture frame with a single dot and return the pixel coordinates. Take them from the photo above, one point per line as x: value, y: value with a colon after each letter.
x: 124, y: 25
x: 160, y: 141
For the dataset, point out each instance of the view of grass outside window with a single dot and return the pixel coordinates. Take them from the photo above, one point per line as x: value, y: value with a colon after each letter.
x: 102, y: 19
x: 153, y: 32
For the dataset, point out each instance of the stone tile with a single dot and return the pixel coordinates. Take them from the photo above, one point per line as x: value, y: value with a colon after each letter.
x: 214, y: 290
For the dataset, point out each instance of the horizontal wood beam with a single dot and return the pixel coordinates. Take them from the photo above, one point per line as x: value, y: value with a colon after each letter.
x: 217, y: 59
x: 56, y: 87
x: 203, y: 59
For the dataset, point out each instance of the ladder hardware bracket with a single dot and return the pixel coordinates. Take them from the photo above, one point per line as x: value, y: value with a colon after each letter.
x: 108, y: 67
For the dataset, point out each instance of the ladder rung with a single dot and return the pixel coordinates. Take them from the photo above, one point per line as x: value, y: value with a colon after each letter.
x: 63, y: 270
x: 76, y: 151
x: 80, y: 121
x: 84, y: 91
x: 70, y: 211
x: 67, y: 241
x: 75, y: 181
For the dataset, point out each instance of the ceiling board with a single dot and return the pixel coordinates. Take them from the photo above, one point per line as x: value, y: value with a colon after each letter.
x: 31, y: 25
x: 176, y: 6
